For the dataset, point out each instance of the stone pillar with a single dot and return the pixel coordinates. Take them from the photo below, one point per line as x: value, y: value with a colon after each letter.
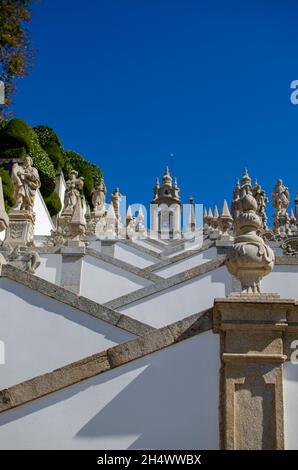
x: 20, y: 231
x: 72, y: 264
x: 251, y: 329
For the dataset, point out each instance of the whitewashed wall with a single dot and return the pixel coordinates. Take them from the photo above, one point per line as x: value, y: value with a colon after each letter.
x: 182, y: 300
x: 283, y: 281
x: 188, y: 263
x: 168, y: 400
x: 43, y: 222
x: 41, y: 334
x: 102, y: 282
x: 50, y: 268
x: 133, y: 256
x: 290, y: 372
x: 60, y: 188
x: 149, y: 245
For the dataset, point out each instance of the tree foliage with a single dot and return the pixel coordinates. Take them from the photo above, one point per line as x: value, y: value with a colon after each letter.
x: 16, y: 53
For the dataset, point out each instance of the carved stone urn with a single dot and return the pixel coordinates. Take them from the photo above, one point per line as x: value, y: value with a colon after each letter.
x: 250, y: 259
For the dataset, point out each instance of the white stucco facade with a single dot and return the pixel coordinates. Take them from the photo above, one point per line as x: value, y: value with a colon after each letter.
x: 41, y: 334
x: 43, y: 223
x: 167, y: 400
x: 182, y: 300
x: 103, y: 282
x: 290, y: 390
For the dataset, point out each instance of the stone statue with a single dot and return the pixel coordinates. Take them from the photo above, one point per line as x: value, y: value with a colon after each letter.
x: 250, y: 259
x: 73, y: 187
x: 262, y: 200
x: 281, y: 200
x: 280, y: 196
x: 26, y: 182
x: 99, y: 197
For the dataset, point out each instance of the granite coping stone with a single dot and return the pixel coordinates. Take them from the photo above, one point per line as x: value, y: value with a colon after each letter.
x: 123, y: 265
x: 65, y: 296
x: 180, y: 257
x: 166, y: 283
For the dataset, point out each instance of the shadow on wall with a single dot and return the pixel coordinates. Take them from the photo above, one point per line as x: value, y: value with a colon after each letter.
x: 57, y: 308
x: 171, y: 404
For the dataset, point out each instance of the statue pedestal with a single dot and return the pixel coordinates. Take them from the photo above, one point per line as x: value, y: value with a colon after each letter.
x: 20, y: 231
x: 253, y: 329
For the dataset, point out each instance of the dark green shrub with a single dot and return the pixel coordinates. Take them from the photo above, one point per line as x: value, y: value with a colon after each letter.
x: 46, y: 135
x: 8, y: 189
x: 67, y: 166
x: 13, y: 153
x: 55, y: 154
x: 15, y: 134
x: 43, y: 164
x: 53, y: 203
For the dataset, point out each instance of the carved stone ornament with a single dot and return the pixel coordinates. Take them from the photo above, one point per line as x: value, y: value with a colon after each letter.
x: 250, y: 259
x: 21, y: 257
x: 290, y: 246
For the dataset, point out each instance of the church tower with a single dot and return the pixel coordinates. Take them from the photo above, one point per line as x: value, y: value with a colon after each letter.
x: 166, y: 207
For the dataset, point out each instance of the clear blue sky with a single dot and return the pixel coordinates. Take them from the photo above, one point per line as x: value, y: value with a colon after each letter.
x: 127, y: 82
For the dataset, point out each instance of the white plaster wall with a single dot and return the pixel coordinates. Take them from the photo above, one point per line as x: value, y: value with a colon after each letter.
x: 188, y: 263
x: 43, y: 221
x: 102, y: 282
x: 133, y: 256
x: 60, y: 188
x: 148, y: 245
x: 283, y: 281
x: 168, y: 400
x: 290, y: 390
x: 50, y: 268
x: 41, y: 334
x: 182, y: 300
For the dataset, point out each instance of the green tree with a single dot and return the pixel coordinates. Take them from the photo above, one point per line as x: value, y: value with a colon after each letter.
x: 16, y: 53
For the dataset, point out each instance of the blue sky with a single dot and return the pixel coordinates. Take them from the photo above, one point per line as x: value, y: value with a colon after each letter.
x: 126, y: 83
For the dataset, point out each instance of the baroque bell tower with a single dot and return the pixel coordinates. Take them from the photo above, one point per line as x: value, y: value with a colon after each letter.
x: 166, y: 207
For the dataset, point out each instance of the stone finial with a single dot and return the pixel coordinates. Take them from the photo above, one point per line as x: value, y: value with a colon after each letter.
x: 167, y: 179
x: 215, y: 216
x: 115, y: 202
x: 4, y: 221
x: 236, y: 200
x: 140, y: 221
x: 250, y: 259
x: 280, y: 202
x: 246, y: 180
x: 191, y: 223
x: 111, y: 223
x: 210, y: 213
x: 225, y: 220
x: 129, y: 215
